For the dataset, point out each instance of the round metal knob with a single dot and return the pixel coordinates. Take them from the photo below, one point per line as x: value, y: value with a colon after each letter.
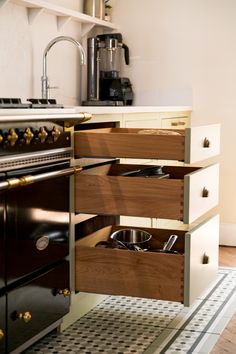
x: 12, y: 137
x: 1, y: 138
x: 25, y: 316
x: 65, y: 292
x: 42, y: 134
x: 1, y: 334
x: 28, y: 135
x: 55, y: 134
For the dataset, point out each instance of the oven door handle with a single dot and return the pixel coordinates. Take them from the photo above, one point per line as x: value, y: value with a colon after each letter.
x: 29, y: 179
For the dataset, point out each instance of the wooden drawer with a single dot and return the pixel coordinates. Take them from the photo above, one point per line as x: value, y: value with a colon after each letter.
x: 175, y: 277
x: 189, y: 145
x: 186, y: 195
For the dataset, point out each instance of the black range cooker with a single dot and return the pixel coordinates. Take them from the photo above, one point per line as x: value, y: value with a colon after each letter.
x: 34, y: 229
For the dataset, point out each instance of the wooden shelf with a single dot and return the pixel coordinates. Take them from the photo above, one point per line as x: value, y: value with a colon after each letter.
x: 64, y: 15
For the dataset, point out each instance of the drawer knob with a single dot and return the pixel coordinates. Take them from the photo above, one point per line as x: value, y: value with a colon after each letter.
x: 205, y: 259
x: 206, y: 143
x: 1, y: 334
x: 65, y: 292
x: 205, y: 193
x: 25, y: 316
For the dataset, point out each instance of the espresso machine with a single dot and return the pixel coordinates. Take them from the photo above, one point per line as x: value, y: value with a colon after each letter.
x: 105, y: 87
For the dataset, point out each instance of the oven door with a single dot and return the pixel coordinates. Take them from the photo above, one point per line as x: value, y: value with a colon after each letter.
x: 2, y: 236
x: 37, y: 218
x: 2, y: 323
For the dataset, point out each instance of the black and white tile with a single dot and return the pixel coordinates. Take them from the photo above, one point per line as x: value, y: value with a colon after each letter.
x: 126, y: 325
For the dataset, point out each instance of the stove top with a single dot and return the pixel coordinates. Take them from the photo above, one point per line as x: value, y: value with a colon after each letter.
x: 15, y: 103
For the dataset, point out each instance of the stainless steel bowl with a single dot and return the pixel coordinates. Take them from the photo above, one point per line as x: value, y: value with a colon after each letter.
x: 131, y: 238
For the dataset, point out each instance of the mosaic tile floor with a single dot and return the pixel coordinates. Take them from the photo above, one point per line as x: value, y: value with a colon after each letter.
x: 127, y: 325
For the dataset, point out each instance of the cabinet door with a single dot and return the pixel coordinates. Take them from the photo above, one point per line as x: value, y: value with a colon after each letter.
x: 36, y: 305
x: 2, y: 323
x: 2, y: 242
x: 201, y: 259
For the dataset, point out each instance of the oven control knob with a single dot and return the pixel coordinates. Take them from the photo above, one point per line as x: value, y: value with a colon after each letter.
x: 25, y: 316
x: 28, y: 135
x: 55, y: 134
x: 1, y: 334
x: 12, y: 137
x: 42, y: 134
x: 1, y: 138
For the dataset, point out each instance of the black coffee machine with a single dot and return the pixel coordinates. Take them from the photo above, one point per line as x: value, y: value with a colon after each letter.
x: 104, y: 85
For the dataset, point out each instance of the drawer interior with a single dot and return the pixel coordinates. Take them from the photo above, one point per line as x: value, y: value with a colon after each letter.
x: 132, y: 273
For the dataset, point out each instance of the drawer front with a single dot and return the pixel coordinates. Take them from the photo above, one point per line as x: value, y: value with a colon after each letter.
x: 40, y: 301
x: 189, y: 145
x: 201, y: 192
x: 97, y: 192
x: 202, y: 143
x: 201, y: 259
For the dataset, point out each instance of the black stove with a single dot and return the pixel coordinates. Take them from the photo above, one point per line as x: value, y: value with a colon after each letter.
x: 37, y: 103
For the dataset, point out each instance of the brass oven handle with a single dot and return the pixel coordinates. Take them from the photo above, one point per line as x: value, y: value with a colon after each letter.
x: 1, y: 334
x: 25, y: 180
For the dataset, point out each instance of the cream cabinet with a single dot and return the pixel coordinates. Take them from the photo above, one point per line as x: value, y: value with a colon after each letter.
x: 187, y: 194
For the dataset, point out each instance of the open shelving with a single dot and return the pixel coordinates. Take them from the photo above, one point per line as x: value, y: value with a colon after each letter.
x: 64, y: 15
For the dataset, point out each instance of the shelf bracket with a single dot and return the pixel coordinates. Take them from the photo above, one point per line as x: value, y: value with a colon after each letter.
x: 33, y: 13
x: 3, y: 2
x: 62, y: 21
x: 86, y: 27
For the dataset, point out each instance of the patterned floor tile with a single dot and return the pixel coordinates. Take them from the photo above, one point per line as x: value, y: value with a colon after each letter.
x: 127, y: 325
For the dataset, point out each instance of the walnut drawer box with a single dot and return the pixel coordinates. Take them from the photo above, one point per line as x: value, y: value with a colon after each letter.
x: 186, y: 195
x: 189, y: 145
x: 178, y: 277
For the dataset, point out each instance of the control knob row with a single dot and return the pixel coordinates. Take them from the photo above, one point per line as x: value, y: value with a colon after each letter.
x: 12, y: 136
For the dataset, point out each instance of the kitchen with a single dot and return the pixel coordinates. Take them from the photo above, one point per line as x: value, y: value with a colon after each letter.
x: 192, y: 68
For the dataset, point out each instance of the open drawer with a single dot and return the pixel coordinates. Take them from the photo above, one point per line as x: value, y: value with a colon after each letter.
x: 189, y: 145
x: 187, y: 194
x: 178, y: 277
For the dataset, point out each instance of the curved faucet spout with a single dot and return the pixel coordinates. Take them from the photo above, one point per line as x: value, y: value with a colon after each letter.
x: 44, y: 78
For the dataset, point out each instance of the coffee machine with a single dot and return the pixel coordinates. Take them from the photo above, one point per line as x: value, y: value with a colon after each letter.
x: 105, y: 87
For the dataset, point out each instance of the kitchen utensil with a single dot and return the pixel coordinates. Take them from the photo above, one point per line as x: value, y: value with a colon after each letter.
x: 154, y: 171
x: 167, y: 248
x: 170, y: 243
x: 134, y: 239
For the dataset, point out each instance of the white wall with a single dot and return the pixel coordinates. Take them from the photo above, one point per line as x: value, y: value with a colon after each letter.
x: 22, y: 46
x: 184, y: 52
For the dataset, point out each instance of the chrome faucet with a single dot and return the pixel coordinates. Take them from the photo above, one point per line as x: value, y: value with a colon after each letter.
x: 44, y: 78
